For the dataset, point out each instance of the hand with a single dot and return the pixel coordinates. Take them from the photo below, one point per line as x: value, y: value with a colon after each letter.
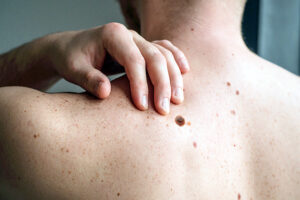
x: 82, y: 55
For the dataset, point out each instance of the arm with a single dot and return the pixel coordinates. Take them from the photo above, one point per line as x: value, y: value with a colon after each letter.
x: 79, y: 56
x: 30, y: 65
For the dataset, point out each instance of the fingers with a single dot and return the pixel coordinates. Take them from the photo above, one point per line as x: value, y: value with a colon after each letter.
x: 175, y: 76
x: 158, y: 72
x: 92, y: 80
x: 178, y: 55
x: 118, y: 41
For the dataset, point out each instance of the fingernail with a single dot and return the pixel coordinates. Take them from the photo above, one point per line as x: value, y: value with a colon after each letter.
x: 165, y: 104
x: 179, y: 94
x: 145, y: 101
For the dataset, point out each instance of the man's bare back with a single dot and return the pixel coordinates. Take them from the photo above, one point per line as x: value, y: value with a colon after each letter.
x: 239, y: 138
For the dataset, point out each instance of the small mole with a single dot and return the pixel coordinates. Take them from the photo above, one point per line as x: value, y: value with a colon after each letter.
x: 234, y: 145
x: 180, y: 121
x: 189, y: 123
x: 192, y: 29
x: 195, y: 144
x: 67, y: 150
x: 237, y: 92
x: 233, y: 112
x: 228, y: 84
x: 36, y: 136
x: 69, y: 172
x: 118, y: 194
x: 239, y: 197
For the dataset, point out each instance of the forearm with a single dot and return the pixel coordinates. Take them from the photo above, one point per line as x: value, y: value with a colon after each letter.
x: 31, y: 64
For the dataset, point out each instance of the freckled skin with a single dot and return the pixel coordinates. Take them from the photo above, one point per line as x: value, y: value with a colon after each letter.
x: 143, y: 162
x: 228, y: 84
x: 237, y: 92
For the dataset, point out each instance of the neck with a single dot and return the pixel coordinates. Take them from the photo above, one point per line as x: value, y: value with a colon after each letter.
x: 209, y: 28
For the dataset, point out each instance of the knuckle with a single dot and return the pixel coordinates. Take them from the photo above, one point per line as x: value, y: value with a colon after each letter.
x: 114, y: 26
x: 163, y: 84
x: 133, y: 32
x: 89, y: 76
x: 166, y: 42
x: 134, y: 58
x: 155, y: 55
x: 168, y: 54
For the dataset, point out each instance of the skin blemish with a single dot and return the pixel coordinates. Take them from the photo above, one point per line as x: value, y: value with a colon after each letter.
x: 192, y: 29
x: 232, y: 112
x: 237, y: 92
x: 118, y: 194
x: 217, y: 115
x: 69, y: 172
x: 19, y: 178
x: 180, y: 121
x: 228, y: 84
x: 36, y: 136
x: 195, y: 144
x: 239, y: 197
x: 189, y: 123
x: 67, y: 150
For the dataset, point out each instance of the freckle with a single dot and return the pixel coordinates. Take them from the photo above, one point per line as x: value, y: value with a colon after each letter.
x: 234, y: 145
x: 217, y: 115
x: 239, y: 196
x: 102, y: 181
x: 63, y: 171
x: 69, y: 172
x: 118, y: 194
x: 19, y: 178
x: 67, y: 150
x: 37, y: 96
x: 195, y: 144
x: 147, y: 124
x: 237, y: 92
x: 25, y: 110
x: 148, y: 117
x: 192, y: 29
x: 167, y: 125
x: 62, y: 149
x: 35, y: 136
x: 189, y: 123
x: 233, y: 112
x: 228, y: 84
x: 92, y: 180
x: 232, y: 54
x: 180, y: 121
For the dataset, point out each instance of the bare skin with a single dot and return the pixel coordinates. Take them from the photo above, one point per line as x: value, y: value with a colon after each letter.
x: 240, y: 137
x: 79, y: 57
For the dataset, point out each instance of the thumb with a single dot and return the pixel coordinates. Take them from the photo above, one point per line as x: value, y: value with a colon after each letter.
x: 93, y: 81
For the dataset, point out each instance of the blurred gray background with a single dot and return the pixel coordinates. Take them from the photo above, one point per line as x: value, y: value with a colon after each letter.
x: 271, y: 27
